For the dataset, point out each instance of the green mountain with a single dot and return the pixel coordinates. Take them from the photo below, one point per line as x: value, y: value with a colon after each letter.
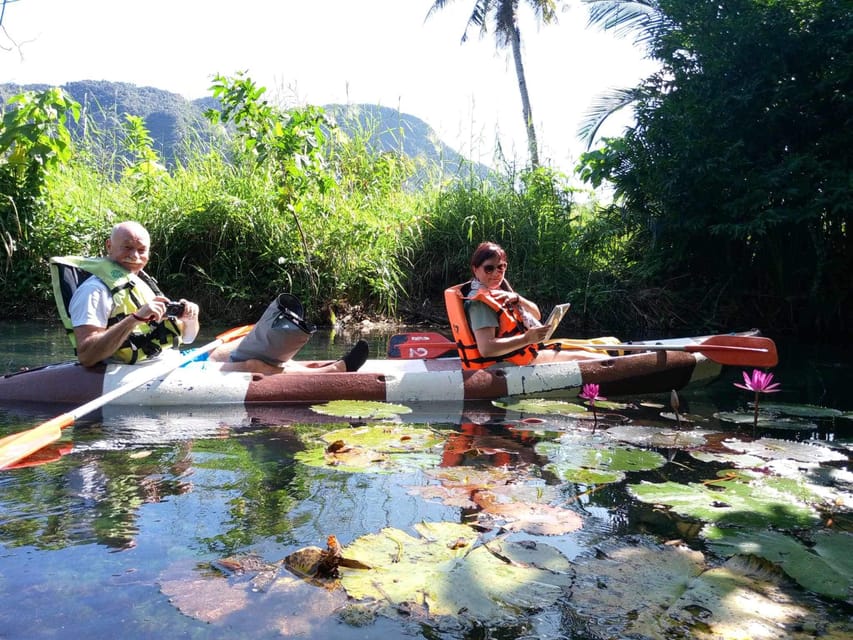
x: 173, y: 122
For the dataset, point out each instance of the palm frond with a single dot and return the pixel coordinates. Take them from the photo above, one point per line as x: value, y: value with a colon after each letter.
x: 641, y: 19
x: 602, y: 108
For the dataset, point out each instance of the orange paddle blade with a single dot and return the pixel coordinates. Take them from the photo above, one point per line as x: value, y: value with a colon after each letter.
x: 743, y: 351
x: 20, y: 445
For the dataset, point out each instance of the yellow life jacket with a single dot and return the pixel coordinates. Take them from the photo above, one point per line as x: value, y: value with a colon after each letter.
x: 510, y: 323
x: 129, y: 293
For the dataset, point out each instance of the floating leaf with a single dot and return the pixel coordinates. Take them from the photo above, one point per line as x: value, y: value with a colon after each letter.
x: 288, y: 605
x: 830, y: 575
x: 730, y: 501
x: 625, y: 586
x: 635, y: 588
x: 523, y: 508
x: 800, y: 410
x: 574, y: 459
x: 774, y: 449
x: 663, y: 437
x: 739, y: 460
x: 745, y: 598
x: 766, y: 421
x: 387, y: 438
x: 444, y: 572
x: 374, y: 448
x: 451, y: 496
x: 737, y: 417
x: 539, y: 405
x: 472, y: 478
x: 361, y: 409
x: 683, y: 417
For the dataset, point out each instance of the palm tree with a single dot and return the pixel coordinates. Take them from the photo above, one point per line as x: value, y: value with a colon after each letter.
x: 643, y: 19
x: 504, y: 17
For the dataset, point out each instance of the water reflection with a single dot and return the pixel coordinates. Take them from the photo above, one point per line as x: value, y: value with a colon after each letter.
x: 181, y: 486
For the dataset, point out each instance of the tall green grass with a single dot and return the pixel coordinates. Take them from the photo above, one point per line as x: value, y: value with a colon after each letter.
x: 365, y: 232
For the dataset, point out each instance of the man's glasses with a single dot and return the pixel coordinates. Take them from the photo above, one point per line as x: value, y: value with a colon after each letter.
x: 490, y: 268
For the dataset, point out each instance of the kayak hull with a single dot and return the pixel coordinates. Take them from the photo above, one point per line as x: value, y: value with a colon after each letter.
x: 390, y: 380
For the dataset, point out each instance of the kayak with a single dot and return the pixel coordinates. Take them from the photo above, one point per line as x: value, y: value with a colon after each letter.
x: 673, y: 365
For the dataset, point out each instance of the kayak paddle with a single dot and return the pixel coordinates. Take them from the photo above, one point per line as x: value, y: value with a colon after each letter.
x: 20, y: 445
x: 745, y: 351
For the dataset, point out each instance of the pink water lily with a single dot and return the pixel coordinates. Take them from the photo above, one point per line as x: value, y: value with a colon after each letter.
x: 759, y: 382
x: 590, y: 392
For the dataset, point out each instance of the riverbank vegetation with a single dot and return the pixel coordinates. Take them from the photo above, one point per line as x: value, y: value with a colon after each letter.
x: 732, y: 205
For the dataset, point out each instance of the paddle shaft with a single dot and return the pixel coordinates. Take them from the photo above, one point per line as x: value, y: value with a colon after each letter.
x: 755, y: 351
x: 20, y: 445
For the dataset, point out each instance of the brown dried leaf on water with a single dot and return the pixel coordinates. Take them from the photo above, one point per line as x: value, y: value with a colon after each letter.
x: 460, y: 485
x: 526, y: 508
x: 473, y: 478
x: 289, y: 605
x: 450, y: 496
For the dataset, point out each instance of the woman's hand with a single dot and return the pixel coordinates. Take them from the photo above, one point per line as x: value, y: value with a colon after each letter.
x: 535, y: 335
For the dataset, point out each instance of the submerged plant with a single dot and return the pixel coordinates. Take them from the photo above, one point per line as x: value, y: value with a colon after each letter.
x: 759, y: 382
x: 590, y: 393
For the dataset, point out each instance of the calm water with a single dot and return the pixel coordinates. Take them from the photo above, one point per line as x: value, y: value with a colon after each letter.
x: 114, y: 538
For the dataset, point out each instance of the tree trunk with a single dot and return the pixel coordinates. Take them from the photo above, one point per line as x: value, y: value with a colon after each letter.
x: 532, y: 146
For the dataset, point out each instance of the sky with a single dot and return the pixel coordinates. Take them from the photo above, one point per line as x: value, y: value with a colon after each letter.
x: 382, y: 52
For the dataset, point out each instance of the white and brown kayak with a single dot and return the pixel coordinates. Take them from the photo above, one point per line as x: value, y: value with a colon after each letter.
x: 640, y: 367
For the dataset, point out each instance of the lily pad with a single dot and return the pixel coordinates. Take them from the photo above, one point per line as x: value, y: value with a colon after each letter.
x: 745, y: 598
x: 575, y: 459
x: 609, y: 405
x: 375, y: 448
x: 800, y: 410
x: 387, y: 438
x: 445, y: 573
x: 662, y: 437
x: 683, y: 417
x: 737, y: 417
x: 638, y: 589
x: 538, y: 405
x: 774, y: 449
x: 623, y: 587
x: 730, y: 501
x: 766, y: 421
x: 826, y: 569
x: 739, y: 460
x: 361, y: 409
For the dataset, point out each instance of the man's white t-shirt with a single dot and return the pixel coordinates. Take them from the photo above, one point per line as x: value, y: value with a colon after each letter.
x: 91, y: 304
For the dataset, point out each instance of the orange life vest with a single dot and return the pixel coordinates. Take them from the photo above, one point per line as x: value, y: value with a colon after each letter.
x: 509, y: 324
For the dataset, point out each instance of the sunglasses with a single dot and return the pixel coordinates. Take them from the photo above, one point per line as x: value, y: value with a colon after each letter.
x: 490, y: 268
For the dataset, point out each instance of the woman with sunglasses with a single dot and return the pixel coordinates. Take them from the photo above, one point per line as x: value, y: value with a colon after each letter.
x: 492, y: 323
